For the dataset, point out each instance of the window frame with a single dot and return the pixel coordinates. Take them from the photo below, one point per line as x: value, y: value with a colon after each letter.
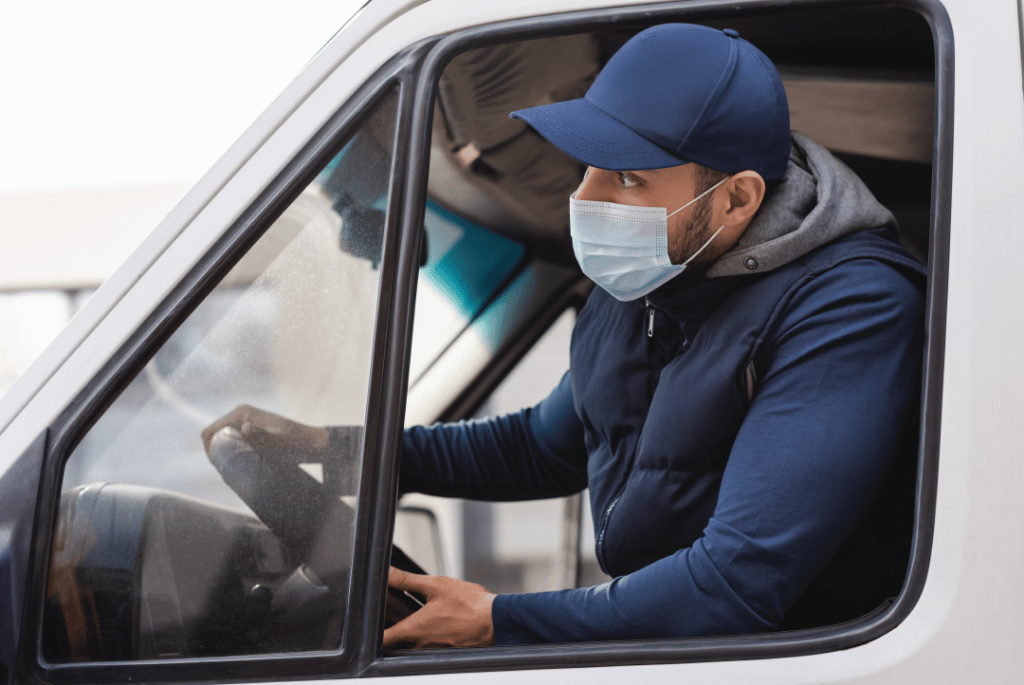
x: 400, y: 75
x: 725, y: 648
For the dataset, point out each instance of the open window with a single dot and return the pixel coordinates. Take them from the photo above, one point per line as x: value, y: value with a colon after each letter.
x: 869, y: 82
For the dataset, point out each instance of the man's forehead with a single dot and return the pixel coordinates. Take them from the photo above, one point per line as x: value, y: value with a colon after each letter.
x: 641, y: 172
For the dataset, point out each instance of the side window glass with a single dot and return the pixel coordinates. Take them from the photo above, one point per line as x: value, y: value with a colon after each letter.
x: 182, y: 534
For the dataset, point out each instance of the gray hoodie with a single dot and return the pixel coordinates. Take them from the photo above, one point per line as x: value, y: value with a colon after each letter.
x: 818, y: 201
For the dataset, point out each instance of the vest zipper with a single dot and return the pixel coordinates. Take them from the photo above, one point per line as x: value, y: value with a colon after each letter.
x: 599, y: 547
x: 599, y: 551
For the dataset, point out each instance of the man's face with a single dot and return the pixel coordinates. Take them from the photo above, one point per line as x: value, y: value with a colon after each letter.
x: 671, y: 188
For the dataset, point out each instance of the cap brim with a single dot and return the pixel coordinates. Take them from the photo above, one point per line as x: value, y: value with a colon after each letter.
x: 585, y: 133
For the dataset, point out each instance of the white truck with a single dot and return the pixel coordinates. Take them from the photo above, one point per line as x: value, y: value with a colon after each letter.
x: 383, y: 247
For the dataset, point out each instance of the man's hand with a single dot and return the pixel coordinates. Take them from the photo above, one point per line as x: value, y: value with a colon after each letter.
x: 457, y: 613
x: 272, y: 435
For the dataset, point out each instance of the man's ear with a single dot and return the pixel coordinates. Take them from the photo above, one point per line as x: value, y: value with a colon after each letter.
x: 744, y: 192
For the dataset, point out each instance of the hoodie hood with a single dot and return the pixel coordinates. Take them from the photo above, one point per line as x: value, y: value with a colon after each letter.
x: 818, y: 200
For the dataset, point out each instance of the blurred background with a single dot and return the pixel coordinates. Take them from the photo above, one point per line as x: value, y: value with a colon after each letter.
x: 112, y: 111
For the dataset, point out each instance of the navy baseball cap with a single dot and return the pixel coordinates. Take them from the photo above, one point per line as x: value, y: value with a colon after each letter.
x: 673, y: 94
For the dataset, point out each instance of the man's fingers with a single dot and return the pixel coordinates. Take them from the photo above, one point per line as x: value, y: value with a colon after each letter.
x: 411, y: 582
x: 457, y: 613
x: 273, y: 436
x: 392, y: 635
x: 207, y: 433
x: 263, y: 429
x: 251, y: 423
x: 403, y: 631
x: 408, y: 629
x: 251, y: 432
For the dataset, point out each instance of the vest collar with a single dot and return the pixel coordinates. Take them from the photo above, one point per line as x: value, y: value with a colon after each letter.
x: 693, y: 299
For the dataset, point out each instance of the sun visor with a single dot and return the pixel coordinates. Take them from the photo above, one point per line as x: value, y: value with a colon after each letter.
x: 497, y: 170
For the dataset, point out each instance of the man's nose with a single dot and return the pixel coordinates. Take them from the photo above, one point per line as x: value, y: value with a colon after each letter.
x: 588, y: 188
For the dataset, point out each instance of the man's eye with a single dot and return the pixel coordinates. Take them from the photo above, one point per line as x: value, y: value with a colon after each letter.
x: 627, y: 181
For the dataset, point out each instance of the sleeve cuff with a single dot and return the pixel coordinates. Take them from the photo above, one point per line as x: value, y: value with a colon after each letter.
x: 506, y: 630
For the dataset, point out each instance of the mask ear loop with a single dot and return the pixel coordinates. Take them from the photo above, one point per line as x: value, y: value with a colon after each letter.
x: 699, y: 197
x: 713, y: 236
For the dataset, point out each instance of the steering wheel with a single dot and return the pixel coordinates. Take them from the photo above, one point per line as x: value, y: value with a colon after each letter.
x: 312, y: 523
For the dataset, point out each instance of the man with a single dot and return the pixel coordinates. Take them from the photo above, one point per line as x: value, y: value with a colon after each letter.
x: 741, y: 384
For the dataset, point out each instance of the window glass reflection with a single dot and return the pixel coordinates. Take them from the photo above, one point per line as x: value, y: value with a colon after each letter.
x: 174, y: 543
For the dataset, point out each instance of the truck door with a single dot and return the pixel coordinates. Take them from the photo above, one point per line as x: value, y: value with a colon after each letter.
x: 136, y: 548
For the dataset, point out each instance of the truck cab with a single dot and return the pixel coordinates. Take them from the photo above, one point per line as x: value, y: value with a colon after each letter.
x: 383, y: 248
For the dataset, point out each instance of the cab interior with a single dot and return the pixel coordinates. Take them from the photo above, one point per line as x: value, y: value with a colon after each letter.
x: 860, y: 81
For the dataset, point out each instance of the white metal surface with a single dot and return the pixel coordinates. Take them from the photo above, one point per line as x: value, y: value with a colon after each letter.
x: 968, y: 624
x: 234, y: 166
x: 75, y: 238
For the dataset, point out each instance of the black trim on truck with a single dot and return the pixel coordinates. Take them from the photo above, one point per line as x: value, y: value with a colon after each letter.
x: 19, y: 488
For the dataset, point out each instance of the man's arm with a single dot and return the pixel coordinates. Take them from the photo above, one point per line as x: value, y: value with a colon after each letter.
x: 840, y: 383
x: 532, y: 454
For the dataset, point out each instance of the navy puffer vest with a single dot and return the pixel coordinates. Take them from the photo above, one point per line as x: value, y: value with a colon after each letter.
x: 660, y: 413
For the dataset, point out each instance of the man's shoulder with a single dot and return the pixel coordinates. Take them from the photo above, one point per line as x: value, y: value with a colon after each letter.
x: 862, y: 279
x: 861, y: 267
x: 875, y: 245
x: 865, y: 276
x: 861, y: 298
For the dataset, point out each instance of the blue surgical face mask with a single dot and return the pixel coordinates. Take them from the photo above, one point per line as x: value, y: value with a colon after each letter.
x: 624, y: 249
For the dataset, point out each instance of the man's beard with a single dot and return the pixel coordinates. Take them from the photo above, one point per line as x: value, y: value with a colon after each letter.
x: 696, y: 232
